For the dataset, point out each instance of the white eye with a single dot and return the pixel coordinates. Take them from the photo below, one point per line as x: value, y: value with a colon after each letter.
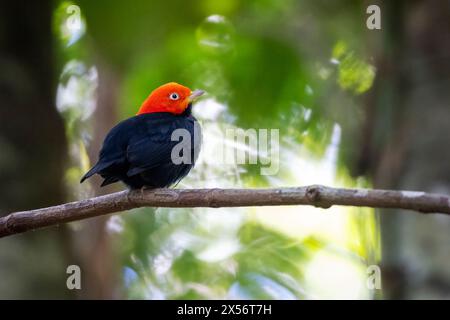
x: 174, y: 96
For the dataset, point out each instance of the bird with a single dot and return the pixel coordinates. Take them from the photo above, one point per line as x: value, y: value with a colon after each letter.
x: 151, y: 149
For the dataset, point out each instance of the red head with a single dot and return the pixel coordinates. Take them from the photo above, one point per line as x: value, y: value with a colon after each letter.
x: 170, y: 97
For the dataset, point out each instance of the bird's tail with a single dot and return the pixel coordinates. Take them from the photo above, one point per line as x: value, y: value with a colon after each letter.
x: 90, y: 173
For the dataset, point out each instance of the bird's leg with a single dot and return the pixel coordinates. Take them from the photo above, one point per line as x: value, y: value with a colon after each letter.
x: 143, y: 188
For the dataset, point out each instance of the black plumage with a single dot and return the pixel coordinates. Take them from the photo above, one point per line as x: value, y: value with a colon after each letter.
x: 138, y: 151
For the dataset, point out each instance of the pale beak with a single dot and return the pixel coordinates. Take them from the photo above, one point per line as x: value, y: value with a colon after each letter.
x: 195, y: 94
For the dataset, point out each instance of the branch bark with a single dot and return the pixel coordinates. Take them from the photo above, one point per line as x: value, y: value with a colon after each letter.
x: 315, y: 195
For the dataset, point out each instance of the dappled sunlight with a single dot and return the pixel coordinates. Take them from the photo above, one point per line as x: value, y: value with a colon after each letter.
x: 354, y: 74
x: 209, y: 109
x: 332, y: 276
x: 76, y: 100
x: 215, y: 34
x: 329, y: 225
x: 69, y: 23
x: 76, y: 96
x: 219, y: 250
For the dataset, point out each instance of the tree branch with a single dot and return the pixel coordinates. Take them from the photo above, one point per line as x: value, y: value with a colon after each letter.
x: 315, y: 195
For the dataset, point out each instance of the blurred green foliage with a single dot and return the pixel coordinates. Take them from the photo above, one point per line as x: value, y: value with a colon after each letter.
x: 272, y: 64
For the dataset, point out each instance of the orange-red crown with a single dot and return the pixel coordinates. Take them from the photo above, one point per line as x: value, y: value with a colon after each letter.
x: 170, y: 97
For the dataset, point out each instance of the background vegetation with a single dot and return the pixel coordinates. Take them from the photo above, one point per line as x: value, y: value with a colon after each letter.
x: 355, y: 108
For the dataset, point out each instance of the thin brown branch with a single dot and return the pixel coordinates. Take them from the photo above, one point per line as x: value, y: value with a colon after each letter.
x: 316, y: 195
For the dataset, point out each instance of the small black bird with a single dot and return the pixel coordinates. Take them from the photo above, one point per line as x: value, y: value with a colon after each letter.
x: 147, y: 150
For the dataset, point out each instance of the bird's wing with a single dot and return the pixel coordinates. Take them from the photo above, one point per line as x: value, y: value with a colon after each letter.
x: 148, y: 153
x: 113, y: 150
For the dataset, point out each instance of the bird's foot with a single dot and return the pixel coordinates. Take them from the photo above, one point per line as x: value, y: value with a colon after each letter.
x: 144, y: 188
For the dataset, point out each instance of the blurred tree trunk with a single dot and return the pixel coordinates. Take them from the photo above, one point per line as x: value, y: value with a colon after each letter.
x: 33, y: 148
x: 98, y: 257
x: 407, y: 144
